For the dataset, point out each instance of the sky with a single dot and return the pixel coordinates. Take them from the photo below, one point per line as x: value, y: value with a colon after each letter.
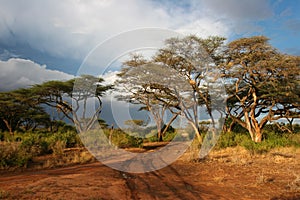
x: 50, y: 39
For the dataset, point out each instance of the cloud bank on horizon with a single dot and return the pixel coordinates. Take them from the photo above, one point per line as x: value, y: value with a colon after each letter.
x: 59, y: 34
x: 18, y: 73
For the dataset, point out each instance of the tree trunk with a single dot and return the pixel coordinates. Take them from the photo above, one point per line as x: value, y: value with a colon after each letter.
x: 258, y: 135
x: 255, y: 132
x: 9, y: 127
x: 111, y: 134
x: 159, y: 130
x: 197, y: 132
x: 231, y: 126
x: 159, y: 136
x: 166, y: 127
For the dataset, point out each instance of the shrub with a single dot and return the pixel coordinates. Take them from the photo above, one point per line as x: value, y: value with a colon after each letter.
x: 270, y: 140
x: 32, y: 143
x: 1, y: 136
x: 70, y: 138
x: 169, y: 136
x: 58, y: 147
x: 13, y: 155
x: 255, y: 148
x: 295, y: 138
x: 124, y: 140
x: 227, y: 140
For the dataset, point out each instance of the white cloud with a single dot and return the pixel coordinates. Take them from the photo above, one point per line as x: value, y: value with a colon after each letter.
x: 205, y: 27
x: 18, y: 73
x: 71, y: 28
x: 110, y: 77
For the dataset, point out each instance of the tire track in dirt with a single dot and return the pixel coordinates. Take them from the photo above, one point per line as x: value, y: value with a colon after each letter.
x: 159, y: 184
x: 165, y: 183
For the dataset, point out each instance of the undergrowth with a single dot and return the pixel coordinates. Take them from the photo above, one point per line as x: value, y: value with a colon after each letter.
x: 270, y: 141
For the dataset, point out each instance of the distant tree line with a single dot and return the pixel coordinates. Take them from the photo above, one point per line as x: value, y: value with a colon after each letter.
x: 26, y: 109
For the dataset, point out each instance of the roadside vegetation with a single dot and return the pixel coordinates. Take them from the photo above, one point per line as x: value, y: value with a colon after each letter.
x: 65, y: 147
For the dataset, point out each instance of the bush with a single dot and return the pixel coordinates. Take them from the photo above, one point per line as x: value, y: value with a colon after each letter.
x: 124, y: 140
x: 96, y: 139
x: 270, y: 140
x: 43, y: 144
x: 227, y: 140
x: 1, y: 136
x: 58, y: 147
x: 296, y: 139
x: 18, y: 149
x: 256, y: 148
x: 169, y: 136
x: 13, y: 155
x: 70, y: 138
x: 34, y: 143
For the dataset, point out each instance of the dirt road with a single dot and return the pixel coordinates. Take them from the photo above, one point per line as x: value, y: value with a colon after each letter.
x: 221, y: 177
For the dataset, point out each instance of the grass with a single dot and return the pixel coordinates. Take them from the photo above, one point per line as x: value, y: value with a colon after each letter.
x: 13, y: 155
x: 18, y: 150
x: 67, y: 159
x: 270, y: 141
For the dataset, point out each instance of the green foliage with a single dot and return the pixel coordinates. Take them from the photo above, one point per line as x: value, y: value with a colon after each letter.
x: 31, y: 144
x: 270, y: 140
x: 227, y: 140
x: 1, y: 136
x: 296, y: 139
x: 95, y: 139
x: 169, y: 136
x: 124, y: 140
x: 13, y: 155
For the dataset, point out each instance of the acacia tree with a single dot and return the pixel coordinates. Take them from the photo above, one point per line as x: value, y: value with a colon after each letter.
x: 263, y: 84
x: 196, y: 59
x: 61, y: 94
x: 144, y: 83
x: 11, y: 111
x: 193, y: 62
x: 19, y: 109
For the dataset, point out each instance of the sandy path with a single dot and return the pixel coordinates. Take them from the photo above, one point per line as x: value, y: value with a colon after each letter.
x: 221, y: 179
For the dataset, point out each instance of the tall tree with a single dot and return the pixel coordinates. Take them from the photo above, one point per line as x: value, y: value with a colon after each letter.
x: 196, y: 59
x: 20, y: 110
x: 144, y: 83
x: 11, y: 111
x: 71, y: 98
x: 263, y: 84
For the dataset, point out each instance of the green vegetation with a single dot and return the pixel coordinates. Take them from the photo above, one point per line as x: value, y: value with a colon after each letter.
x: 18, y: 150
x: 270, y: 140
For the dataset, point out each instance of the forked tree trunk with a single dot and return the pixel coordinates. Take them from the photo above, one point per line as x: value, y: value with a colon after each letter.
x: 258, y: 136
x: 254, y: 131
x: 166, y: 126
x: 231, y: 126
x: 9, y: 127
